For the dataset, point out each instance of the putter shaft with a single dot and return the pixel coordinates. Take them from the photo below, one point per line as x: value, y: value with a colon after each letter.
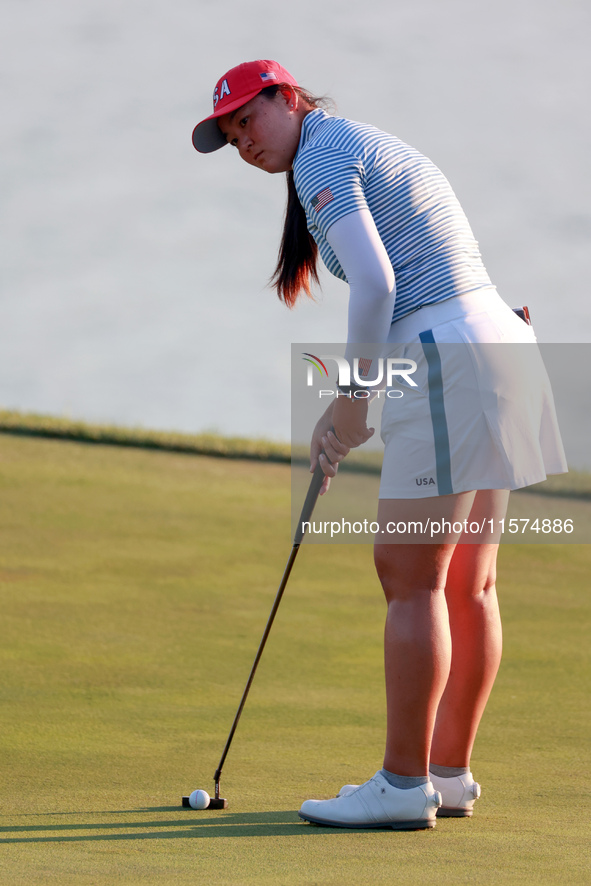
x: 307, y: 509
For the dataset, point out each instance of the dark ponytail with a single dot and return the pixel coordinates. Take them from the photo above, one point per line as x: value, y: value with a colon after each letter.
x: 298, y: 252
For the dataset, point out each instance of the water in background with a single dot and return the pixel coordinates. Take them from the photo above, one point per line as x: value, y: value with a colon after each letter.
x: 134, y: 271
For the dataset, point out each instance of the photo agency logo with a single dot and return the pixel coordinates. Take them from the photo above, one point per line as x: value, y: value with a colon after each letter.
x: 355, y: 382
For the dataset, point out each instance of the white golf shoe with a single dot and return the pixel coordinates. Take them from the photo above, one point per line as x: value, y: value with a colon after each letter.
x: 376, y: 804
x: 458, y: 794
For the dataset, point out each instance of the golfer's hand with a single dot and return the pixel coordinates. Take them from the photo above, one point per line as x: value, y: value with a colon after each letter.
x: 326, y: 448
x: 349, y: 420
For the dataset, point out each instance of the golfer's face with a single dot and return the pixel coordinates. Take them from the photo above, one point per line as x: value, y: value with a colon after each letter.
x: 265, y: 131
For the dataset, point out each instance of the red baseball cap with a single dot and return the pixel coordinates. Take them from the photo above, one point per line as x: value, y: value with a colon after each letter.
x: 234, y: 89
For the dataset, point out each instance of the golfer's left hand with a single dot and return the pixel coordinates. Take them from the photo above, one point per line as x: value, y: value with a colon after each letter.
x: 349, y: 420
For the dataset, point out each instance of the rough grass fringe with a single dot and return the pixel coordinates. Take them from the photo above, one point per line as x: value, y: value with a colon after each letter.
x: 575, y: 484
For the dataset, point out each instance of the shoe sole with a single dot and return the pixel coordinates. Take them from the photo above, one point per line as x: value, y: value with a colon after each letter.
x: 418, y: 824
x: 452, y: 812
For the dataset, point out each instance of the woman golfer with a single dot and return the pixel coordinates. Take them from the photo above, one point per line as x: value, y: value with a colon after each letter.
x: 474, y: 426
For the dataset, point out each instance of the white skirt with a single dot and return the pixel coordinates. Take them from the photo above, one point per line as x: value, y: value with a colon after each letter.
x: 481, y: 415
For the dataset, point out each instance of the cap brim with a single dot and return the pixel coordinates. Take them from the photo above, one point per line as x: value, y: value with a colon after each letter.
x: 207, y: 136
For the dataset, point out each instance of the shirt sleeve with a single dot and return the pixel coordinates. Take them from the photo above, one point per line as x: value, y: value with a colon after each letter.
x: 330, y: 184
x: 372, y: 286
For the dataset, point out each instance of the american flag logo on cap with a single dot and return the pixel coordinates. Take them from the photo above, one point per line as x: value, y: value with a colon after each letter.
x: 267, y: 75
x: 322, y: 199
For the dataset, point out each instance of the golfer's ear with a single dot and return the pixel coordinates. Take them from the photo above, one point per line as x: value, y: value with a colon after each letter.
x: 290, y: 95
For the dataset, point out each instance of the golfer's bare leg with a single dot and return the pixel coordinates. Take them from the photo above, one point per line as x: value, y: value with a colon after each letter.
x: 476, y: 637
x: 417, y: 636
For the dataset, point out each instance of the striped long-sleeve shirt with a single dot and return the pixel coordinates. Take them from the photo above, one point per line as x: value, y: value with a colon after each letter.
x: 342, y: 166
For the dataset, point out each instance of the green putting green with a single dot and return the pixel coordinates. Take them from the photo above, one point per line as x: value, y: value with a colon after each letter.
x: 134, y: 589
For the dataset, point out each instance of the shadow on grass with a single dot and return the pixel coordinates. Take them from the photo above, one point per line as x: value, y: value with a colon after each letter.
x: 192, y: 826
x: 87, y: 812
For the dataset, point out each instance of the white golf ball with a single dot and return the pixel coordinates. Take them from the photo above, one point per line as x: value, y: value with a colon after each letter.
x: 199, y: 800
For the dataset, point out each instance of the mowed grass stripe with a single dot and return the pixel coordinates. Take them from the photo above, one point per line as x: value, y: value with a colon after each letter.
x: 134, y: 588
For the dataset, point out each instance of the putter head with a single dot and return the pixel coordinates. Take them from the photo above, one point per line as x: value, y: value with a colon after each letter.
x: 218, y: 803
x: 214, y: 803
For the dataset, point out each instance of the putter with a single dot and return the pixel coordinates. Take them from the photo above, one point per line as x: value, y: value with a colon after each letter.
x: 217, y: 802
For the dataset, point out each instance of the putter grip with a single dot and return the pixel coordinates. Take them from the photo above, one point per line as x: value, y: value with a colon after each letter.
x: 309, y: 503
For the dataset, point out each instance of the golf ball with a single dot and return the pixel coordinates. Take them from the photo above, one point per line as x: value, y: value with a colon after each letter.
x: 199, y: 800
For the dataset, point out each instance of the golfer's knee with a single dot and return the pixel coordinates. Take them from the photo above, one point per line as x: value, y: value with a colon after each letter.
x: 473, y: 572
x: 404, y: 570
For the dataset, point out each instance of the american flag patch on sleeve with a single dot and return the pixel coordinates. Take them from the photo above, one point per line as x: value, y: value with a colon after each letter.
x: 322, y: 199
x: 364, y: 366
